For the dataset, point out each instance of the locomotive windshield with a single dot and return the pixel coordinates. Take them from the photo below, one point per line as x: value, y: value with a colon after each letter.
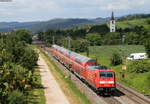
x: 102, y: 67
x: 106, y: 74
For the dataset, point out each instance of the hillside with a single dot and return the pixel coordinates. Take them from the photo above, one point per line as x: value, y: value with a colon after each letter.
x: 132, y: 23
x: 122, y: 22
x: 44, y: 25
x: 60, y: 24
x: 134, y: 16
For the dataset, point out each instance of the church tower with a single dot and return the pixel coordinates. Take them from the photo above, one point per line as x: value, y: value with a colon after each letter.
x: 112, y: 23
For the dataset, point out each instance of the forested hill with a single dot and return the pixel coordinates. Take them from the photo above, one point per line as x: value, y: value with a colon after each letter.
x: 134, y: 16
x: 54, y: 24
x: 63, y: 23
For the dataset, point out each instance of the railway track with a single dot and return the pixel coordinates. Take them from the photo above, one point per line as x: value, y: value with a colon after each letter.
x: 134, y: 95
x: 123, y: 94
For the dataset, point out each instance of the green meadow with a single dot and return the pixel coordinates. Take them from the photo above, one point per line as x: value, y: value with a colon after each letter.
x: 133, y: 23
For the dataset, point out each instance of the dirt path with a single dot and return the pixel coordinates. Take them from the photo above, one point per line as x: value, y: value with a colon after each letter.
x: 53, y: 92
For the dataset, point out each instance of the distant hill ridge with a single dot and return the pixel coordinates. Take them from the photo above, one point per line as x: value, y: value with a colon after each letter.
x: 134, y: 16
x: 61, y: 23
x: 44, y: 25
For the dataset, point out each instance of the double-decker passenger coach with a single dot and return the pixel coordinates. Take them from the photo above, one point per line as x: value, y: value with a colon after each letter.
x: 96, y: 75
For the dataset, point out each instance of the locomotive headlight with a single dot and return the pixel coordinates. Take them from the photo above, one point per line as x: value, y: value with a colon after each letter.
x: 102, y: 82
x: 110, y: 82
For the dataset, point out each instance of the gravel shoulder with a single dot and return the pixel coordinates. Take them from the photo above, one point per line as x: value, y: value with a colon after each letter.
x: 52, y: 90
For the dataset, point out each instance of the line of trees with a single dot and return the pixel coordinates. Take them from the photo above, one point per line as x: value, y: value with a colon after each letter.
x: 17, y: 65
x: 95, y: 35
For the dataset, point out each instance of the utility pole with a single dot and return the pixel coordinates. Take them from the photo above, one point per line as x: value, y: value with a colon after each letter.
x: 69, y: 45
x: 123, y: 38
x: 53, y: 39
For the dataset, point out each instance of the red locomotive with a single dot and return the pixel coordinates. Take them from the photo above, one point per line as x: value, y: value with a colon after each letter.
x: 99, y: 77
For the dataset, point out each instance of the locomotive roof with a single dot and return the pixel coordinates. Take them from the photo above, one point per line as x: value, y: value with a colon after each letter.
x: 94, y: 67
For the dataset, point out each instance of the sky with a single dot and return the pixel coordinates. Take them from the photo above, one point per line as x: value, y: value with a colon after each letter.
x: 42, y: 10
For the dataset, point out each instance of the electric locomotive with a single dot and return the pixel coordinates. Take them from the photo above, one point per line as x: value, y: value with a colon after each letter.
x: 96, y: 75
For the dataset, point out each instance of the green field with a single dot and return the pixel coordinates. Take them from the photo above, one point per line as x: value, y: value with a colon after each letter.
x: 132, y: 23
x: 133, y: 80
x: 103, y: 53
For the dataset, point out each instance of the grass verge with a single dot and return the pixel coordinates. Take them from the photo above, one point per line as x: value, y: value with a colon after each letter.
x: 36, y: 94
x: 69, y: 88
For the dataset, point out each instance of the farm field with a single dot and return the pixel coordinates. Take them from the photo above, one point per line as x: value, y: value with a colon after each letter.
x: 132, y: 23
x: 133, y: 80
x: 103, y: 53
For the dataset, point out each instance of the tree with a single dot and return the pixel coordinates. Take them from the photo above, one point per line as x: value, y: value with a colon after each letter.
x: 145, y: 36
x: 147, y: 47
x: 148, y: 78
x: 113, y: 38
x: 101, y: 29
x: 80, y: 45
x: 116, y: 59
x: 132, y: 38
x: 94, y: 39
x: 77, y: 33
x: 40, y: 35
x: 148, y: 21
x: 28, y: 59
x: 5, y: 57
x: 23, y: 35
x: 17, y: 61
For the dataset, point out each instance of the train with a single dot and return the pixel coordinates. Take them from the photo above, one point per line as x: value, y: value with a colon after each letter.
x: 99, y: 77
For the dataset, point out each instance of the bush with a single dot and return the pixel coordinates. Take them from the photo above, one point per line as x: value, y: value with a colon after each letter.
x: 147, y: 47
x: 116, y: 59
x: 16, y: 97
x: 148, y: 78
x: 139, y: 66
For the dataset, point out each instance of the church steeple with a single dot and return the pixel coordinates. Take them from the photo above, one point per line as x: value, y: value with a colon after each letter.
x: 112, y: 23
x: 112, y: 16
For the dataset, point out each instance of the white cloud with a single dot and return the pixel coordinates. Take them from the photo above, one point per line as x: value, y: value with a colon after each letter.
x: 116, y: 6
x: 29, y: 10
x: 140, y: 2
x: 124, y: 4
